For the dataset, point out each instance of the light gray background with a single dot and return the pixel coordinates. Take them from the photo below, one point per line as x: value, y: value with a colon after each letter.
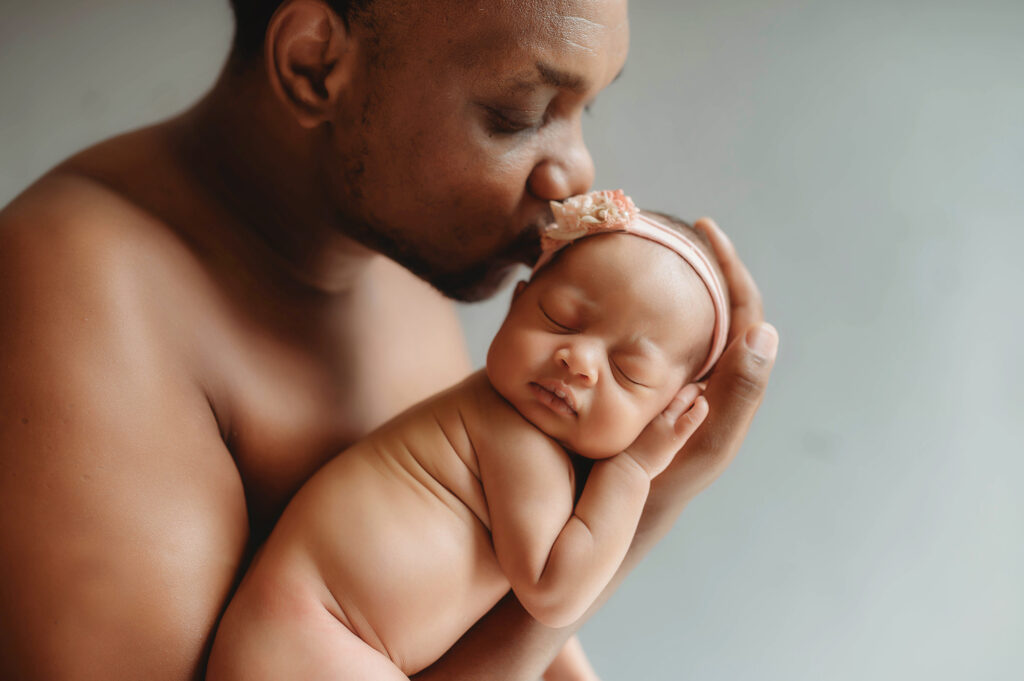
x: 868, y: 160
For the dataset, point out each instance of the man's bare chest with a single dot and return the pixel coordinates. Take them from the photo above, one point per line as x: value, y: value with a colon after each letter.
x: 286, y: 407
x: 287, y: 400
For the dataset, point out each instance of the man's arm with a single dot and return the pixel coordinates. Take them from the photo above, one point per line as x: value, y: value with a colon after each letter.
x: 122, y: 517
x: 571, y: 664
x: 507, y: 644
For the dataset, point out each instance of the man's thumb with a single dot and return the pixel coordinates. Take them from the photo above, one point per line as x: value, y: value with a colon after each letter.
x: 739, y: 380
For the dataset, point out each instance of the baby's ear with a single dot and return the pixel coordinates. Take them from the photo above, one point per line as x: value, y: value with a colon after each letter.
x: 520, y: 285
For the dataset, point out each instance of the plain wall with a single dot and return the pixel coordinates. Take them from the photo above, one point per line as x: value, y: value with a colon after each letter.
x: 867, y: 158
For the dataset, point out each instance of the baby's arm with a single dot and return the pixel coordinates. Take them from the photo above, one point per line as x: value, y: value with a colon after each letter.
x: 558, y: 559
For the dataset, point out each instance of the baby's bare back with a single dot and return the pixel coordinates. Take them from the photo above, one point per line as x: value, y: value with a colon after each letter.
x: 393, y: 535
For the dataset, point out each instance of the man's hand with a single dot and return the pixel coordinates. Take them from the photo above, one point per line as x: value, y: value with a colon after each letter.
x: 734, y: 392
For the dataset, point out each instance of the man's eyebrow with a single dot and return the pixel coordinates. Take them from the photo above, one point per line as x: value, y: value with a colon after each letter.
x: 565, y: 80
x: 561, y: 79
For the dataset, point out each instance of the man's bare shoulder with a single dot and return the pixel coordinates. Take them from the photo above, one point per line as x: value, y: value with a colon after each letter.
x: 71, y: 215
x: 90, y: 316
x: 114, y: 464
x: 74, y: 253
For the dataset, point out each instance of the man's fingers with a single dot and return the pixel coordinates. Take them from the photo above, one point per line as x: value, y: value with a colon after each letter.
x: 746, y: 378
x: 736, y: 386
x: 735, y: 390
x: 747, y: 308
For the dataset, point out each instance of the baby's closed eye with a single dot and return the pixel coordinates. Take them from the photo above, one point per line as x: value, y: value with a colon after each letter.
x: 559, y: 320
x: 634, y: 371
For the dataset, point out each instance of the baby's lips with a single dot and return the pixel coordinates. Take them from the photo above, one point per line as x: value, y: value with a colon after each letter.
x: 562, y: 390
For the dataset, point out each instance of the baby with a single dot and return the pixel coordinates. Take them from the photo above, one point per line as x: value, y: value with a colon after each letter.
x: 397, y: 546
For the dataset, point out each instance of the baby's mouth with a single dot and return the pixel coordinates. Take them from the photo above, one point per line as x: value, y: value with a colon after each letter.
x: 556, y: 397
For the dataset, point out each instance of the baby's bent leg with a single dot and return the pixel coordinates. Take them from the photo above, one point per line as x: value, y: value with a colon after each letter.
x: 277, y: 628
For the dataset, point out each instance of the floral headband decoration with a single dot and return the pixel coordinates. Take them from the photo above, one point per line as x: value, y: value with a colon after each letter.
x: 603, y: 212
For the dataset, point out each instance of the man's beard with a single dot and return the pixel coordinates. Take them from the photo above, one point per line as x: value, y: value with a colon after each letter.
x: 474, y: 282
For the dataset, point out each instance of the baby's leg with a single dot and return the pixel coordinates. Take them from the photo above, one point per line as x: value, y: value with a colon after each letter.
x: 571, y: 664
x: 277, y: 627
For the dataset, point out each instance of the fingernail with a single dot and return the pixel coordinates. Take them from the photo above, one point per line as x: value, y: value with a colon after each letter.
x: 763, y: 340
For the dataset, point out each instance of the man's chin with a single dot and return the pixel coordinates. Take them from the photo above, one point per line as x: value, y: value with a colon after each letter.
x: 474, y: 284
x: 483, y: 279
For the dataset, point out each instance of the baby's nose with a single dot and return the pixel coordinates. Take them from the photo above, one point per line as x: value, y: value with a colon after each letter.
x: 579, y: 361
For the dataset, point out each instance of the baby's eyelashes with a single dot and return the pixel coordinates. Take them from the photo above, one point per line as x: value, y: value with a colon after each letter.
x: 627, y: 377
x: 564, y: 328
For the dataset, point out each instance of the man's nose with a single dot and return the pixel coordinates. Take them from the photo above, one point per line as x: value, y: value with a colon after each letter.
x: 580, y: 360
x: 566, y: 171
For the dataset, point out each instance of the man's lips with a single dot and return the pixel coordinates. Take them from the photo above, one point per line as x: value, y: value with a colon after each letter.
x: 556, y: 396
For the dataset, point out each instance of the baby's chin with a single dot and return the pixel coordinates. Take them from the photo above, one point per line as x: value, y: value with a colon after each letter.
x: 577, y: 444
x: 590, y: 450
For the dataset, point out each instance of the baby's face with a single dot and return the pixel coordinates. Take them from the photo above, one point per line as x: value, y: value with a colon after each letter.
x: 601, y: 340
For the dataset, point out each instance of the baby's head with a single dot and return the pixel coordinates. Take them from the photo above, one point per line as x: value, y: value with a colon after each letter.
x: 618, y: 315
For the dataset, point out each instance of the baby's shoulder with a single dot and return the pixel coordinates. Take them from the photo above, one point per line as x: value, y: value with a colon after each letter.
x: 492, y: 423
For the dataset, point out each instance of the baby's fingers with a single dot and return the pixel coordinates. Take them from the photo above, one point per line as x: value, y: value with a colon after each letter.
x: 689, y: 422
x: 683, y: 400
x: 656, y: 446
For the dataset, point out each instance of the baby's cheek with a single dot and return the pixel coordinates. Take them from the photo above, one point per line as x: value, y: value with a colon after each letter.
x: 619, y: 428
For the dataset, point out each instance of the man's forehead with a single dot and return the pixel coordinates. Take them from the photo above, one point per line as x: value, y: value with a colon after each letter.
x: 543, y: 73
x: 537, y: 38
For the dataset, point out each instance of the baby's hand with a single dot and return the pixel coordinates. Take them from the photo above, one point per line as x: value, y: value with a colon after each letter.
x: 665, y: 435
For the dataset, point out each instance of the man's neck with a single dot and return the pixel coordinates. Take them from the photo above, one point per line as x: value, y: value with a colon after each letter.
x: 253, y: 165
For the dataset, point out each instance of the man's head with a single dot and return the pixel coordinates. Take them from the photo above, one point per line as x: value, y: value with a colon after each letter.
x: 601, y: 339
x: 253, y: 16
x: 439, y: 130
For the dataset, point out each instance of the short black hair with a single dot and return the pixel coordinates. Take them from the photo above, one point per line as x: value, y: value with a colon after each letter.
x: 252, y: 17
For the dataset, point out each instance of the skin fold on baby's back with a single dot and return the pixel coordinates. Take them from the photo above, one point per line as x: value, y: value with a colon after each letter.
x: 396, y: 531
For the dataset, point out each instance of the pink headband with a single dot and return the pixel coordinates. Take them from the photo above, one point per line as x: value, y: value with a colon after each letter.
x: 602, y: 212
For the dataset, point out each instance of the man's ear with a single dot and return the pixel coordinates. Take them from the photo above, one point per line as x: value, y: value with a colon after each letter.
x: 309, y: 58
